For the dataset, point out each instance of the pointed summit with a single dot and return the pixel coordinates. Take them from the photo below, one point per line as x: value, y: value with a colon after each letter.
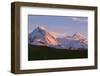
x: 78, y: 36
x: 40, y: 27
x: 40, y: 36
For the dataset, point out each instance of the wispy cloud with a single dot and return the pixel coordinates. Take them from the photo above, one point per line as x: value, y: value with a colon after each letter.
x: 81, y: 19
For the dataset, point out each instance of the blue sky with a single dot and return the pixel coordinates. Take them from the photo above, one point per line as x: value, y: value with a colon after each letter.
x: 64, y: 25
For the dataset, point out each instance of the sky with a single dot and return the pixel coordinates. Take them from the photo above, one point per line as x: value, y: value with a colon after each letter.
x: 59, y: 25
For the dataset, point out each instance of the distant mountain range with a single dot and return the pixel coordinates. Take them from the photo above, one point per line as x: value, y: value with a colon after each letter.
x: 42, y: 37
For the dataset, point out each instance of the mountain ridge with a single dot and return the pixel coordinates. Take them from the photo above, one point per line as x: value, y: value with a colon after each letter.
x: 41, y: 36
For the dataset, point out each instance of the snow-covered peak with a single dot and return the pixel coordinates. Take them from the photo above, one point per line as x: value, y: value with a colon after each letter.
x: 78, y: 36
x: 41, y: 28
x: 41, y: 36
x: 38, y: 30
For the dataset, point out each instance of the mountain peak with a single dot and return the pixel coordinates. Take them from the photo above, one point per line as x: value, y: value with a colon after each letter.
x: 78, y: 34
x: 41, y: 27
x: 40, y: 36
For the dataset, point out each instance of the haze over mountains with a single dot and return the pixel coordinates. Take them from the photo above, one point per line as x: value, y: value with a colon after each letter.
x: 42, y: 37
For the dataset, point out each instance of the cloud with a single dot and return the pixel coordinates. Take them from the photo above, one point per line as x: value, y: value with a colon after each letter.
x: 81, y: 19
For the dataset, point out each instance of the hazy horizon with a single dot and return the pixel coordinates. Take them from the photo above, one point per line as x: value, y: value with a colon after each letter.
x: 59, y: 25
